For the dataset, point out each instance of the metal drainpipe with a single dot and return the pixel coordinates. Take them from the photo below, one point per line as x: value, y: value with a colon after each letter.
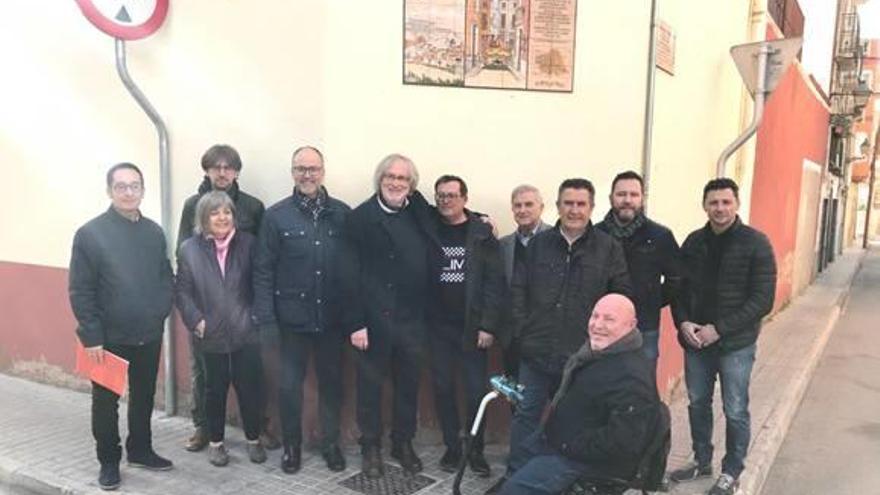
x: 760, y: 94
x: 165, y: 194
x: 648, y: 128
x: 871, y: 177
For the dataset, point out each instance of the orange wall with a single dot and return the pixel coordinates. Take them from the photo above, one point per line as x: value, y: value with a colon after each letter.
x: 38, y: 325
x: 794, y: 128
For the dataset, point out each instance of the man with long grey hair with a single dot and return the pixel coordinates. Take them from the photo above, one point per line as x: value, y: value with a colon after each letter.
x: 388, y: 313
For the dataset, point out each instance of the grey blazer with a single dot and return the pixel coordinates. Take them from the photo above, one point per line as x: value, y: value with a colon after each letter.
x: 508, y: 243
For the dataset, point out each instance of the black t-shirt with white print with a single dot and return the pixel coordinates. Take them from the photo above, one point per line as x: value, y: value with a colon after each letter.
x: 449, y: 274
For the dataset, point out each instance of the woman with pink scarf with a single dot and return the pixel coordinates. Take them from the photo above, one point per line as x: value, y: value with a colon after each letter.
x: 214, y: 297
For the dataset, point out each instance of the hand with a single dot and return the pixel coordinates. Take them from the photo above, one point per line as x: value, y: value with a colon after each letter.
x: 709, y: 335
x: 489, y: 220
x: 95, y: 353
x: 689, y: 332
x: 484, y: 339
x: 200, y: 329
x: 360, y: 340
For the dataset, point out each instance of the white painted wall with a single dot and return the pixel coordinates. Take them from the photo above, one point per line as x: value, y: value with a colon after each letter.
x: 267, y: 77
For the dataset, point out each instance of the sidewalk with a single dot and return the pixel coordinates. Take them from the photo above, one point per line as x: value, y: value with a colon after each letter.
x: 46, y: 446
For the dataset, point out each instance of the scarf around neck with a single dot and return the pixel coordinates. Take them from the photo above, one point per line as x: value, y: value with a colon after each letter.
x: 311, y: 206
x: 620, y: 232
x: 221, y: 248
x: 586, y: 354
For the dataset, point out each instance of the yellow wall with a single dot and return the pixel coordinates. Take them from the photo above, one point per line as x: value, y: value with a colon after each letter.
x: 268, y: 79
x: 699, y: 110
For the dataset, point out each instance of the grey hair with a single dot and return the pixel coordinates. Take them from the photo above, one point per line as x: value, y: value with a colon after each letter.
x: 207, y: 204
x: 524, y: 188
x: 386, y: 163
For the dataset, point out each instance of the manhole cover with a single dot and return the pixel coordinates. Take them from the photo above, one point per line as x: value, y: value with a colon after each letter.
x: 395, y: 482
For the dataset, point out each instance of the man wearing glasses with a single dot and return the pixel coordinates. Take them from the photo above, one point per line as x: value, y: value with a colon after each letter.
x: 467, y: 282
x: 390, y: 294
x: 298, y: 295
x: 120, y: 292
x: 221, y: 164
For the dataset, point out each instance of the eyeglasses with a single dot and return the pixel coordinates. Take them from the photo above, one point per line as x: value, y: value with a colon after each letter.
x: 307, y: 170
x: 395, y: 178
x: 222, y: 168
x: 447, y: 196
x: 134, y: 187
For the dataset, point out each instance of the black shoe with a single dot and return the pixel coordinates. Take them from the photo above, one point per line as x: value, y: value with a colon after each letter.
x: 479, y: 465
x: 334, y: 458
x: 404, y: 453
x: 291, y: 459
x: 690, y: 472
x: 451, y: 458
x: 108, y: 478
x: 151, y: 461
x: 371, y: 461
x: 495, y: 488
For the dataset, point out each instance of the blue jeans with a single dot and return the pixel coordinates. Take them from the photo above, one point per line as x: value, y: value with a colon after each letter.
x: 539, y: 389
x: 735, y: 370
x: 540, y: 469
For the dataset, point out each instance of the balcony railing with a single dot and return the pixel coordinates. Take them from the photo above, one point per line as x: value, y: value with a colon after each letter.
x: 849, y: 49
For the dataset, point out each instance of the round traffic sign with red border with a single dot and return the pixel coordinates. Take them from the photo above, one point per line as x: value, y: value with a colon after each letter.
x: 125, y: 19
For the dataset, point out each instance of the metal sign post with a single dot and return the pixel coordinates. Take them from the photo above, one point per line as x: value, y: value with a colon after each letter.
x: 133, y: 20
x: 761, y: 66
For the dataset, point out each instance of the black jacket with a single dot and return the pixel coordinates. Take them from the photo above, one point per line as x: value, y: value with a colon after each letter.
x: 651, y: 253
x: 248, y: 211
x: 607, y: 415
x: 746, y: 284
x: 299, y: 272
x: 389, y: 254
x: 120, y: 281
x: 484, y: 280
x: 554, y: 290
x: 224, y: 302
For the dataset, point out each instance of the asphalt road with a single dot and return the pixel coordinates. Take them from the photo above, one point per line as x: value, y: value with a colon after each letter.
x: 833, y: 445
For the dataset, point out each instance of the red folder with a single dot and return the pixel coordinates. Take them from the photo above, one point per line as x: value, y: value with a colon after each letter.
x: 111, y: 374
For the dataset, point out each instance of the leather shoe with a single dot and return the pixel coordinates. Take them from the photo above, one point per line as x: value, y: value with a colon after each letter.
x: 150, y: 460
x: 404, y: 453
x: 371, y: 461
x: 479, y: 465
x: 449, y: 461
x: 108, y: 478
x: 291, y: 459
x: 198, y: 440
x: 334, y: 458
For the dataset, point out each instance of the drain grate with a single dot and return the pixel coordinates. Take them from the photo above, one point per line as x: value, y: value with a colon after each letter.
x: 395, y: 482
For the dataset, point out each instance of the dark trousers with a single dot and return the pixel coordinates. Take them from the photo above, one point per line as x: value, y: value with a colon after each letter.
x: 198, y: 384
x: 242, y: 369
x: 326, y: 348
x: 447, y: 357
x: 143, y: 365
x: 197, y: 375
x: 400, y: 351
